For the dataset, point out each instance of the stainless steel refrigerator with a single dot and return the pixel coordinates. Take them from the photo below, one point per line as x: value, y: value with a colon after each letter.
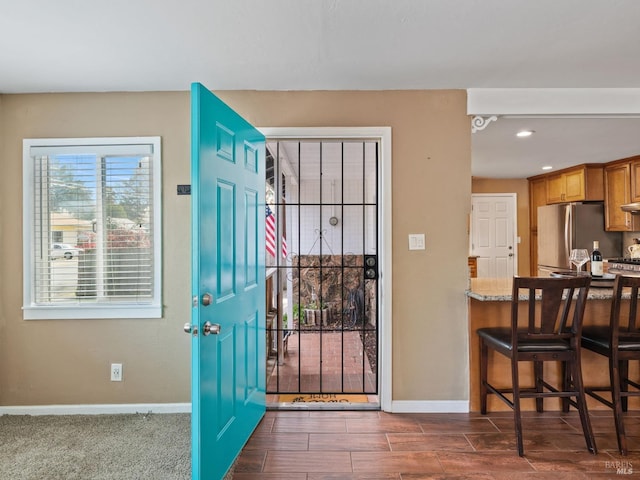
x: 566, y: 226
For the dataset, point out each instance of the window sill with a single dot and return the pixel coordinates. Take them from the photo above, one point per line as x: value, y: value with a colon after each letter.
x: 77, y: 312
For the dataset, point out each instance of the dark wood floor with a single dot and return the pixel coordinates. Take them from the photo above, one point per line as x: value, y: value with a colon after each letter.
x: 371, y: 445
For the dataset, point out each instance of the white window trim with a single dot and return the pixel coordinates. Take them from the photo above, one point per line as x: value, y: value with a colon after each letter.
x: 129, y: 310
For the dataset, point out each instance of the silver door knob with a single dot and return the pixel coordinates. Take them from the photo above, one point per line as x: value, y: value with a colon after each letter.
x: 188, y: 328
x: 210, y: 328
x: 207, y: 299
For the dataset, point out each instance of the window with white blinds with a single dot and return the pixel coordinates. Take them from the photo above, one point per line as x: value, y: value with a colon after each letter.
x: 92, y: 228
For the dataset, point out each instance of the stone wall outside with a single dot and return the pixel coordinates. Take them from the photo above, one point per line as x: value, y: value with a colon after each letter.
x: 336, y: 281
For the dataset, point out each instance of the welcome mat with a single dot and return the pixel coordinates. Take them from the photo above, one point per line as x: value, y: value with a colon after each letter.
x: 322, y: 398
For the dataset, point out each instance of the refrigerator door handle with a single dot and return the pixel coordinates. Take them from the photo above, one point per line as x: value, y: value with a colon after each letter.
x: 568, y: 240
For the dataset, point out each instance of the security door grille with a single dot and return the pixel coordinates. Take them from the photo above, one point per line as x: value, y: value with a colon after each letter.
x: 322, y: 266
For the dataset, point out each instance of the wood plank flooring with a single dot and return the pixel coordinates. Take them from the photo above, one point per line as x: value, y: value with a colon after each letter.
x: 372, y: 445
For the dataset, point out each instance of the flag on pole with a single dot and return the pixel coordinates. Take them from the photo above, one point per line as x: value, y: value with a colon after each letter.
x: 270, y: 234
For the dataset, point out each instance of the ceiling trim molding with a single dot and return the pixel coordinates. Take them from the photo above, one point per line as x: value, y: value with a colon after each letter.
x: 554, y: 101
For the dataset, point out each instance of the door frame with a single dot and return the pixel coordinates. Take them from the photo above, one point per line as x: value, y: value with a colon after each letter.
x: 514, y: 223
x: 382, y: 135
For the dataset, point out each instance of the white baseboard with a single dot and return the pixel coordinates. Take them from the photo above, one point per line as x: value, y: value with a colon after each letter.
x: 96, y: 409
x: 429, y: 406
x: 397, y: 406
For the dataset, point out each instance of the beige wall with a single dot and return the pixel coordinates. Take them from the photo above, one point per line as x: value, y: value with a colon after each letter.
x: 67, y: 362
x: 520, y: 187
x: 3, y: 330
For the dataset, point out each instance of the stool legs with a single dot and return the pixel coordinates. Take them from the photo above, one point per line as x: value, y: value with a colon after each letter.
x: 571, y: 382
x: 581, y: 401
x: 619, y: 403
x: 517, y: 415
x: 484, y: 365
x: 538, y: 375
x: 566, y: 384
x: 623, y: 368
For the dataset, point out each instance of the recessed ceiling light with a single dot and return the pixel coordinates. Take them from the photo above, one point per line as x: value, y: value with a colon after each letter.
x: 547, y: 167
x: 525, y: 133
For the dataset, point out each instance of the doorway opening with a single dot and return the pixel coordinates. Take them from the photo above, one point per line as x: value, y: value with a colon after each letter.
x: 322, y: 229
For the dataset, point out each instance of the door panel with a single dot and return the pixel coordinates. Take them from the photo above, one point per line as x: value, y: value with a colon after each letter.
x: 228, y: 379
x: 492, y: 240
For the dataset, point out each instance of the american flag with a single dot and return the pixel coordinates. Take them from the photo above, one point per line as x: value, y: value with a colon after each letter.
x: 270, y: 234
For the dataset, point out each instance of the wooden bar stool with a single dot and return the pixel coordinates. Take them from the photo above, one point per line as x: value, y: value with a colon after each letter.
x: 620, y: 343
x: 549, y: 332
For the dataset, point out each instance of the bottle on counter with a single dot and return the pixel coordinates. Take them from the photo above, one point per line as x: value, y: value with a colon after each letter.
x: 596, y: 260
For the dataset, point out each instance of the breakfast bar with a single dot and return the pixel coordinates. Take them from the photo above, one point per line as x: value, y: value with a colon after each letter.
x: 489, y: 304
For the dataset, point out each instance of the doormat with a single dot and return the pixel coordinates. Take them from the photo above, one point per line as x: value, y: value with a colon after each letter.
x: 322, y: 398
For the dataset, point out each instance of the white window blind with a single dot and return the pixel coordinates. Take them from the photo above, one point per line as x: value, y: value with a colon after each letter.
x: 92, y: 228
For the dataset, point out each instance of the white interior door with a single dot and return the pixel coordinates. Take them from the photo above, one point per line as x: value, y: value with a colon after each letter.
x: 493, y: 240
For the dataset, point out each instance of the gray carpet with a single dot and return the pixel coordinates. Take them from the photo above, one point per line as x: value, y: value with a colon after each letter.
x: 95, y: 447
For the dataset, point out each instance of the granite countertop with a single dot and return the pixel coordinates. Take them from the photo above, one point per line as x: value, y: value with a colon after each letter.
x: 499, y: 290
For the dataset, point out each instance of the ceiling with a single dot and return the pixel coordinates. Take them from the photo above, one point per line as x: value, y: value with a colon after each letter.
x: 159, y: 45
x: 557, y: 142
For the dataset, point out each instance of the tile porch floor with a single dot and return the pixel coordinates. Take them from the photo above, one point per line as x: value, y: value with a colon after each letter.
x: 344, y: 365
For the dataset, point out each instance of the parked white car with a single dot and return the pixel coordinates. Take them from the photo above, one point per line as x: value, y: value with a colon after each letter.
x: 64, y: 250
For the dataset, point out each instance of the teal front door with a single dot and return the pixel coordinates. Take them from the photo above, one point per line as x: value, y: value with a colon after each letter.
x: 228, y: 283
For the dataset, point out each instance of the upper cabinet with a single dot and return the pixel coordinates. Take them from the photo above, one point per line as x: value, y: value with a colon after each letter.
x: 537, y: 198
x: 635, y: 179
x: 622, y: 185
x: 617, y: 180
x: 576, y: 184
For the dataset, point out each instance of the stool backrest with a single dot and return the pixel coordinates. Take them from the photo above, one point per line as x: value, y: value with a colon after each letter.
x: 554, y: 310
x: 624, y: 323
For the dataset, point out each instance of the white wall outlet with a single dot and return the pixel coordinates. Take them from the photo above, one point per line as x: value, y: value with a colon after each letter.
x: 416, y: 241
x: 116, y: 372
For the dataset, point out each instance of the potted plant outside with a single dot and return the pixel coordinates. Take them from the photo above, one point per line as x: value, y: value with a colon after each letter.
x: 316, y: 312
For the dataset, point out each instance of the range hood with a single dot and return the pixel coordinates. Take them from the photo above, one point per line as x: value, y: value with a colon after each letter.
x: 633, y: 208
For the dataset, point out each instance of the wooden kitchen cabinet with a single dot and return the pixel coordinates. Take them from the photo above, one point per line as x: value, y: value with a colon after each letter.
x: 473, y: 266
x: 635, y: 179
x: 576, y: 184
x: 622, y: 182
x: 617, y: 179
x: 537, y: 198
x: 565, y: 186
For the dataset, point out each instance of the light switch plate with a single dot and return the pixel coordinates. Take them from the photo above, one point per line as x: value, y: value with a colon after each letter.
x: 416, y: 241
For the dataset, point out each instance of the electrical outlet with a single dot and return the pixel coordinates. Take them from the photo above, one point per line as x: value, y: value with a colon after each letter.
x: 116, y: 372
